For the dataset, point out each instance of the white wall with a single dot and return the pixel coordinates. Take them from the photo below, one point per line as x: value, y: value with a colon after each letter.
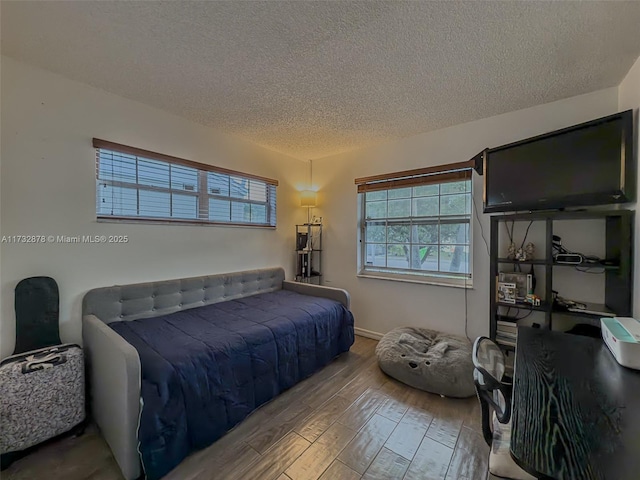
x: 381, y: 305
x: 48, y: 188
x: 629, y: 98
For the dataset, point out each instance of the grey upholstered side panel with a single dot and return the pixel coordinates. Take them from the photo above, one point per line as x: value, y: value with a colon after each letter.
x: 337, y: 294
x: 153, y: 299
x: 115, y: 375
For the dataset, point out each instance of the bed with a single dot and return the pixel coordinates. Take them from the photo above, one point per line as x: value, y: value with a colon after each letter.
x: 175, y: 364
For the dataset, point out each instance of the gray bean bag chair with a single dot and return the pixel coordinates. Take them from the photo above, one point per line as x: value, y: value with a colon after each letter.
x: 428, y: 360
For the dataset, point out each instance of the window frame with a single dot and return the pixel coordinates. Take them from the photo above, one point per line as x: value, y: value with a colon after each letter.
x: 202, y: 191
x: 394, y: 182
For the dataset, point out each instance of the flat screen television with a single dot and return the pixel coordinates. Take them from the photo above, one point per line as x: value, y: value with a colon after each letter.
x: 587, y: 164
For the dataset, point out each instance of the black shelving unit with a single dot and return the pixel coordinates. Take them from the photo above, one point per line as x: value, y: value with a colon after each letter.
x: 618, y: 276
x: 309, y: 255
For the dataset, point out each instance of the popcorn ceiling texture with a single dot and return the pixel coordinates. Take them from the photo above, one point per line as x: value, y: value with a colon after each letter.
x: 312, y: 79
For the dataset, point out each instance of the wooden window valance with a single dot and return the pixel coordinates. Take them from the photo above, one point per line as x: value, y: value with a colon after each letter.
x: 116, y: 147
x: 451, y: 172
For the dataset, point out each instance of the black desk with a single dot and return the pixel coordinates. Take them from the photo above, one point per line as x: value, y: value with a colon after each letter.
x: 576, y: 411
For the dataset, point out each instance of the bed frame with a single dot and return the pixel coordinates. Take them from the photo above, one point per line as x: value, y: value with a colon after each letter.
x: 113, y: 363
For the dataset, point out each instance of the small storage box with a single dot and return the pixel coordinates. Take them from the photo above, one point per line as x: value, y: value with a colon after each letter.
x: 622, y: 336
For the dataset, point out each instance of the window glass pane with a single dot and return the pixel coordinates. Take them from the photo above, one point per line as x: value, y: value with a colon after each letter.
x: 454, y: 258
x: 258, y: 213
x: 398, y: 234
x: 375, y: 232
x: 218, y: 184
x: 413, y: 231
x: 154, y: 204
x: 376, y: 254
x: 257, y: 191
x: 376, y: 209
x: 374, y: 196
x: 117, y: 167
x: 399, y: 208
x: 455, y: 204
x: 239, y: 187
x: 184, y: 178
x: 426, y: 190
x: 184, y: 206
x: 240, y: 212
x: 153, y: 173
x: 456, y: 187
x: 424, y: 234
x: 117, y: 201
x: 425, y: 207
x: 219, y: 210
x: 424, y: 257
x: 398, y: 256
x: 454, y: 233
x: 400, y: 193
x: 167, y: 190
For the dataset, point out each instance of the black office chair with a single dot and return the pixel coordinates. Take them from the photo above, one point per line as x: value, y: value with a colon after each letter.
x: 494, y: 393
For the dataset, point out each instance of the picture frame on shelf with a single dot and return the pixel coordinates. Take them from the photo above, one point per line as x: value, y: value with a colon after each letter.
x: 523, y: 283
x: 507, y: 293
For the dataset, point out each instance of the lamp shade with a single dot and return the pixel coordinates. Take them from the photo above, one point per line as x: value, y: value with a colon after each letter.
x: 307, y: 198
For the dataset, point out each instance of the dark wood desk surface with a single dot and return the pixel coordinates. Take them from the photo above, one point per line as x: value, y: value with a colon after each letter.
x: 576, y: 411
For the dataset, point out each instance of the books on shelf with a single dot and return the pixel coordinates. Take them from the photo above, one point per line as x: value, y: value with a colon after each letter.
x: 506, y: 333
x: 507, y: 325
x: 511, y: 342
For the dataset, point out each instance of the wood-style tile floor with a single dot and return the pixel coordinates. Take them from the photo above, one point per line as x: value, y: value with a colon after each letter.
x: 349, y: 421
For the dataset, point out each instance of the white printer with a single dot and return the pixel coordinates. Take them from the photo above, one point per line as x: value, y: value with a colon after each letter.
x: 622, y: 336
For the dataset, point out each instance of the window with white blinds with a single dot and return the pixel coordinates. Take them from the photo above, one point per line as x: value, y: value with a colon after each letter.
x: 417, y: 224
x: 134, y: 184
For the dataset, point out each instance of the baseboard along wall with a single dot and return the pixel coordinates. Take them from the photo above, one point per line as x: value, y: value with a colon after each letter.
x: 368, y: 333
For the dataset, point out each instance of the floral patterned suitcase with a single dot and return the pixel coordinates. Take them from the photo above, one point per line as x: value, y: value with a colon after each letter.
x: 42, y: 395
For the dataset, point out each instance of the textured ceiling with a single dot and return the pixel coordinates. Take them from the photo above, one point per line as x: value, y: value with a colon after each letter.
x: 315, y: 78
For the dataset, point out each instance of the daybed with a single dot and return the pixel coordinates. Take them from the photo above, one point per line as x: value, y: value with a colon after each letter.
x: 175, y: 364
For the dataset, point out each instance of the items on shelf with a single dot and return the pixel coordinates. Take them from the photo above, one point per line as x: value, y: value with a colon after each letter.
x: 523, y: 283
x: 614, y: 263
x: 525, y: 252
x: 564, y: 304
x: 533, y: 299
x: 507, y: 292
x: 302, y: 241
x: 506, y: 333
x: 308, y: 252
x: 588, y: 263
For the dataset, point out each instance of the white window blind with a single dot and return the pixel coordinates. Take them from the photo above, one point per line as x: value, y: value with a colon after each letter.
x: 134, y: 184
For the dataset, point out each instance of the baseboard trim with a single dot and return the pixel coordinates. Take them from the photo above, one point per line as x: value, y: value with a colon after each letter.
x: 368, y: 333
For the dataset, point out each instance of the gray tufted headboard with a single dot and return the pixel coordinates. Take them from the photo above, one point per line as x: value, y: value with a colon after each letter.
x: 153, y: 299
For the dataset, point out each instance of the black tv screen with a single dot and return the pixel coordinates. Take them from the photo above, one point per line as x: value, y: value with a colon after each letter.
x: 588, y: 164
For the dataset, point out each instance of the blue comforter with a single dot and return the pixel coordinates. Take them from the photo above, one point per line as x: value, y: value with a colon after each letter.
x: 205, y: 369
